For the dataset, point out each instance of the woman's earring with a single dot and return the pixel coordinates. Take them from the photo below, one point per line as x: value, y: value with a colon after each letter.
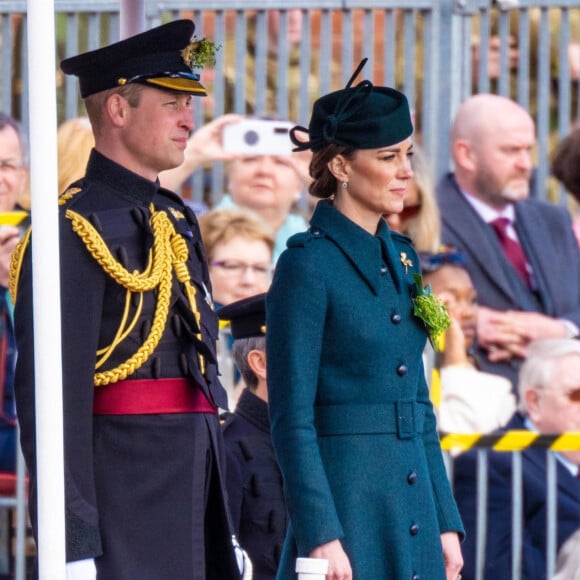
x: 344, y: 184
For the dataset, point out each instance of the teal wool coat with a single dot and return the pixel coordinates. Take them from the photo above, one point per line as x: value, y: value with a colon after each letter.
x: 352, y: 424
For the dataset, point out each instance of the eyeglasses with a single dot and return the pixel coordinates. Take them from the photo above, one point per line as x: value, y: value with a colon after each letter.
x: 233, y: 268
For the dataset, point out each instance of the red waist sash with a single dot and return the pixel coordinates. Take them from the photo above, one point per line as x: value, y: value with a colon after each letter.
x: 151, y: 397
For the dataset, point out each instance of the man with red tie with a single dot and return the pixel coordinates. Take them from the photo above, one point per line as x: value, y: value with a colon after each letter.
x: 521, y: 253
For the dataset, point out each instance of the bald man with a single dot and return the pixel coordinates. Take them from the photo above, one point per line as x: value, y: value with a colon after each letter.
x: 522, y: 254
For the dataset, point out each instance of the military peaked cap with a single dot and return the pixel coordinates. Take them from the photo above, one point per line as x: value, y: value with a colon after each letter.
x: 157, y: 57
x: 247, y: 317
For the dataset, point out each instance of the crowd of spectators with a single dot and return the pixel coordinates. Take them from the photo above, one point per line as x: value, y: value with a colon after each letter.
x: 509, y: 274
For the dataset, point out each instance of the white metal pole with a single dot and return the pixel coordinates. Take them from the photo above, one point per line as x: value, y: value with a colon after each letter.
x: 46, y: 301
x: 132, y: 20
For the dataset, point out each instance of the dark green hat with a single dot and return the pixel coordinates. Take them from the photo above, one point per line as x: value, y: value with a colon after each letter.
x: 161, y: 57
x: 362, y: 117
x: 247, y: 317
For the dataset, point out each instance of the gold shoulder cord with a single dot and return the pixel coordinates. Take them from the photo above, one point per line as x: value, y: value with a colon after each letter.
x: 16, y: 264
x: 19, y: 251
x: 169, y: 254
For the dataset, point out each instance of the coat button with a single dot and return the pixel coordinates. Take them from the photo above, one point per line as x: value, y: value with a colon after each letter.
x: 416, y: 577
x: 395, y: 318
x: 412, y: 477
x: 315, y: 232
x: 383, y: 270
x: 402, y: 370
x: 414, y: 529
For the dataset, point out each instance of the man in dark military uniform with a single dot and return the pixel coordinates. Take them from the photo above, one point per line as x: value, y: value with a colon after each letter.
x: 253, y: 478
x: 143, y: 449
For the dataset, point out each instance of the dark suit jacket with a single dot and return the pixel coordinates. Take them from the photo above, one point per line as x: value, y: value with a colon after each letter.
x: 545, y: 232
x: 498, y: 555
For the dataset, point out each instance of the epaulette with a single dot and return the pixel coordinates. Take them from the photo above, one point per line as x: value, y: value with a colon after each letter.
x: 300, y: 240
x: 68, y: 194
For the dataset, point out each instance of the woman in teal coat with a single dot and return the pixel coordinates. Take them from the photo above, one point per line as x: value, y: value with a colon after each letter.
x: 352, y: 424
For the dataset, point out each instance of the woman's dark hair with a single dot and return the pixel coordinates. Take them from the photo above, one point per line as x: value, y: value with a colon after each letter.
x: 324, y: 184
x: 565, y: 166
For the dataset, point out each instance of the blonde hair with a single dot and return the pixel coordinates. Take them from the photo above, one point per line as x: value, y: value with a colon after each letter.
x: 425, y: 227
x: 219, y: 226
x: 75, y: 141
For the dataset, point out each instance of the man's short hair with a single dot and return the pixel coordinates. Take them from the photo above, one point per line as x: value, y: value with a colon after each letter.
x: 95, y: 103
x: 538, y: 368
x: 240, y: 351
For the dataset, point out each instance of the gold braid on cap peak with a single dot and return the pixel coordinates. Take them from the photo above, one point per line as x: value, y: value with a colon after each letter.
x: 169, y: 254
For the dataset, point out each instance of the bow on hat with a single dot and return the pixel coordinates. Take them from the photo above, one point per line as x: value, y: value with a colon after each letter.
x: 362, y: 117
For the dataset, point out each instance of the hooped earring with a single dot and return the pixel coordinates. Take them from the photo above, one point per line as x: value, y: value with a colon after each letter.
x: 344, y: 184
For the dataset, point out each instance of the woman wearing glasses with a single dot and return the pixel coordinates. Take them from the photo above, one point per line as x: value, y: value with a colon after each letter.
x: 239, y: 247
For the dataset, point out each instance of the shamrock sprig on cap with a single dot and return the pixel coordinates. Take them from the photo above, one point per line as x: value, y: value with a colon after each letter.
x: 200, y: 53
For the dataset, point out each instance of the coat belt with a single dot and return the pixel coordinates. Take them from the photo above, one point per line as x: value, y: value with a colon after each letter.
x: 405, y: 418
x: 151, y: 397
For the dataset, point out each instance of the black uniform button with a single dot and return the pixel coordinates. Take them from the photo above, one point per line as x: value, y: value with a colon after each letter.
x: 412, y: 477
x: 414, y: 529
x: 395, y: 318
x: 402, y: 370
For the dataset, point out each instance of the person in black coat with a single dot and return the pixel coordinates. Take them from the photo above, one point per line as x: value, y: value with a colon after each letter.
x: 549, y: 403
x: 143, y: 454
x: 253, y: 478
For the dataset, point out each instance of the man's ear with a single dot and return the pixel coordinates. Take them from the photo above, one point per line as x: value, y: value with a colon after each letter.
x: 257, y: 362
x: 339, y: 166
x: 532, y: 400
x: 116, y: 108
x: 464, y: 155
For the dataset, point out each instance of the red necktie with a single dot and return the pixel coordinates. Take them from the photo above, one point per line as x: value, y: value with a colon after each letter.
x: 511, y: 248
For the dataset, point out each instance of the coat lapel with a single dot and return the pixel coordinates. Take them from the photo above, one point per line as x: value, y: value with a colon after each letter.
x: 362, y: 249
x: 472, y: 232
x: 527, y: 226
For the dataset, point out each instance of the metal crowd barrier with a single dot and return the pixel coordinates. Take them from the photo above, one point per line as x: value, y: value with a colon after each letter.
x: 513, y: 442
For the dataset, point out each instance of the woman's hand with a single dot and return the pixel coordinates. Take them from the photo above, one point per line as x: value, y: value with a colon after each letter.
x: 451, y: 555
x: 338, y: 562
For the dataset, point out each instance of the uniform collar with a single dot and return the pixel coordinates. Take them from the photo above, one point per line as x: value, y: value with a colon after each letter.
x: 103, y: 170
x: 364, y: 251
x: 254, y: 410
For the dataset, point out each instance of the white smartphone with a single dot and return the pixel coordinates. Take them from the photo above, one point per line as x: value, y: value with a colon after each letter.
x: 258, y: 137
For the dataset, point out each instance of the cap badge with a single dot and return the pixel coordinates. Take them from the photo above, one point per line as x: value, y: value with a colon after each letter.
x: 199, y: 53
